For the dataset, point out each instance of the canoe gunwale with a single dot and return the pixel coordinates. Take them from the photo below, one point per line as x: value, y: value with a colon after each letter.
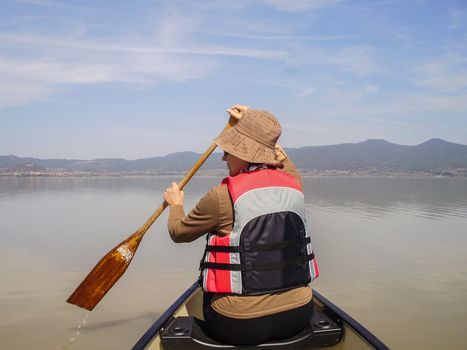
x: 152, y: 331
x: 351, y: 323
x: 346, y: 318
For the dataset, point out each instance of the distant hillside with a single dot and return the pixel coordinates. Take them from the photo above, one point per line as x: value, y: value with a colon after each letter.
x: 430, y: 155
x: 435, y: 154
x: 179, y: 161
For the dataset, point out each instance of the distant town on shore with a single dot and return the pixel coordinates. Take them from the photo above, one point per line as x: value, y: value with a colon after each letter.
x: 433, y: 158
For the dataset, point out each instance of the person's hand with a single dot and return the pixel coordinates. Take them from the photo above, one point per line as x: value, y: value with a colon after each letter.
x: 237, y: 111
x: 173, y: 195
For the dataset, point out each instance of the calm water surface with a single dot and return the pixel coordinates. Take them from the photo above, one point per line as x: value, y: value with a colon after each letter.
x: 391, y: 253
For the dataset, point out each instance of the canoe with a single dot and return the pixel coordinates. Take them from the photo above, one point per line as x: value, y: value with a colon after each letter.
x: 329, y: 328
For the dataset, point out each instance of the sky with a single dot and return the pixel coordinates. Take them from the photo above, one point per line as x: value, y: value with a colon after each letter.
x: 136, y: 79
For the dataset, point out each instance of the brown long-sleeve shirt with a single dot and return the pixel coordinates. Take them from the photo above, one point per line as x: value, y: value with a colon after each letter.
x: 214, y: 213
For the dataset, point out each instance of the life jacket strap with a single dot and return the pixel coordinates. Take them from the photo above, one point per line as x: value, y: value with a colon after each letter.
x: 257, y: 247
x: 257, y: 267
x: 219, y: 266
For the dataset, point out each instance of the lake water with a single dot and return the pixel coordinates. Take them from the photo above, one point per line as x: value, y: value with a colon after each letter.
x: 391, y: 252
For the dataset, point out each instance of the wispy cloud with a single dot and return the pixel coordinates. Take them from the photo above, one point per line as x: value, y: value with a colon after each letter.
x: 54, y: 72
x: 354, y: 59
x: 437, y: 103
x: 341, y: 66
x: 445, y: 74
x: 407, y: 106
x: 168, y: 55
x: 328, y: 91
x: 125, y: 47
x: 176, y: 27
x: 299, y: 90
x: 321, y: 132
x: 41, y: 2
x: 16, y: 93
x: 457, y: 18
x: 173, y: 48
x: 410, y: 119
x: 84, y: 61
x: 290, y: 37
x: 43, y: 75
x: 301, y: 5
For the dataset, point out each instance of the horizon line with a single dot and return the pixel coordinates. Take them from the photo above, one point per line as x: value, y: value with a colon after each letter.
x: 217, y: 151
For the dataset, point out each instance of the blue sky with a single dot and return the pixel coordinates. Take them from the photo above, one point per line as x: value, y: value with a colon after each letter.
x: 136, y: 79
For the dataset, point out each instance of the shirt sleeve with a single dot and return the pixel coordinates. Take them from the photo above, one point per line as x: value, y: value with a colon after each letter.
x: 203, y: 218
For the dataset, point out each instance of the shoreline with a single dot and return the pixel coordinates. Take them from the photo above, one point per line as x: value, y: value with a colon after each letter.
x: 455, y: 173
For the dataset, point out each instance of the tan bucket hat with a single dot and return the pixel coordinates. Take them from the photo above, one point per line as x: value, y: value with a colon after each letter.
x: 253, y: 138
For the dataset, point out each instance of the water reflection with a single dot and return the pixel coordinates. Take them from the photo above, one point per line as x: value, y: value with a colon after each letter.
x: 430, y: 197
x: 11, y: 187
x: 375, y: 197
x: 391, y: 253
x: 117, y: 322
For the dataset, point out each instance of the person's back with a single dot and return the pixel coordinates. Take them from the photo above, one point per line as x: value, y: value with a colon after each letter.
x: 258, y: 260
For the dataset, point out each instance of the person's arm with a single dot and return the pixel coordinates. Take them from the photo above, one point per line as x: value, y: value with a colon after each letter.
x: 203, y: 218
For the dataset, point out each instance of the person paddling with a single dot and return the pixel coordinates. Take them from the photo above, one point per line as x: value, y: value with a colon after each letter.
x: 258, y: 261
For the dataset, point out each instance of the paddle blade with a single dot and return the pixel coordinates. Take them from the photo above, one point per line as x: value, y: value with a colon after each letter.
x: 105, y: 274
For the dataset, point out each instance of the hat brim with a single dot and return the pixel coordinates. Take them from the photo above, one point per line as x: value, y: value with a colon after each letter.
x: 245, y: 148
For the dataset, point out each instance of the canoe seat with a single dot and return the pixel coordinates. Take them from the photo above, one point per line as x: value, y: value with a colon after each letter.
x: 323, y: 330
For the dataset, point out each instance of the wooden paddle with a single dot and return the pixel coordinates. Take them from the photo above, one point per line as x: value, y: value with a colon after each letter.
x: 112, y: 266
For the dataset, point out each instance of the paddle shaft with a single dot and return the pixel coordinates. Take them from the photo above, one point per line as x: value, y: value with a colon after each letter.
x: 112, y: 266
x: 142, y: 230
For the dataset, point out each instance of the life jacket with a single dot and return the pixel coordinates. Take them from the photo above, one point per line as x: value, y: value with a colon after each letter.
x: 269, y: 248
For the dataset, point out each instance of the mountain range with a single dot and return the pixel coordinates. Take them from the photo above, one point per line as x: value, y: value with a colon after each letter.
x: 434, y: 154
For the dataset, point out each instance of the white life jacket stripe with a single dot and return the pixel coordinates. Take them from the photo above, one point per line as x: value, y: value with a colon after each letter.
x: 207, y: 258
x: 235, y: 276
x: 264, y: 201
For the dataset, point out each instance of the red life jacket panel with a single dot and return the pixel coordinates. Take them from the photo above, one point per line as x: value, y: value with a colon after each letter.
x: 269, y: 248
